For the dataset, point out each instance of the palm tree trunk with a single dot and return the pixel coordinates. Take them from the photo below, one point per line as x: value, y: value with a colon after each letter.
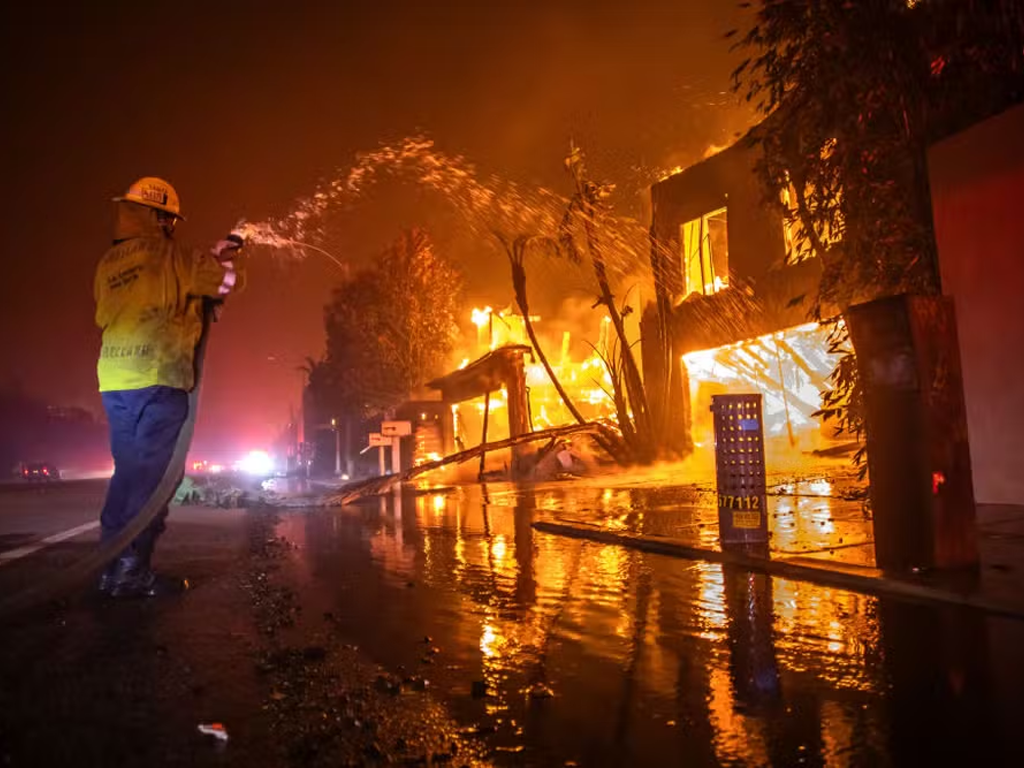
x: 519, y: 287
x: 631, y: 373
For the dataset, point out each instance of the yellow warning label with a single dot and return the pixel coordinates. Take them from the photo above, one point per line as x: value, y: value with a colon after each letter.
x: 746, y: 519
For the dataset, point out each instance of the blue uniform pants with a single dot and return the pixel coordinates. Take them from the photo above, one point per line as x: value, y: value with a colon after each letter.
x: 144, y: 427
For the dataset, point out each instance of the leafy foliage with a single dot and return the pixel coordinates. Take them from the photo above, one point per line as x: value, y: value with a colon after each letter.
x: 852, y: 93
x: 842, y: 85
x: 390, y: 328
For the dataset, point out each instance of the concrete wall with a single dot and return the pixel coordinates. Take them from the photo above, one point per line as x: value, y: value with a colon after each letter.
x: 977, y: 181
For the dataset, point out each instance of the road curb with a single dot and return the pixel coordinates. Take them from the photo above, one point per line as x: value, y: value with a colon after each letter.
x: 843, y: 577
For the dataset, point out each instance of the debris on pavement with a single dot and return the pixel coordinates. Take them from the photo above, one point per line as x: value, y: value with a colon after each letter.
x: 216, y: 730
x: 324, y: 702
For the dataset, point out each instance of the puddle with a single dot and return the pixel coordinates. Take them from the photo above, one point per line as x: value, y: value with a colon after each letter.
x: 567, y: 650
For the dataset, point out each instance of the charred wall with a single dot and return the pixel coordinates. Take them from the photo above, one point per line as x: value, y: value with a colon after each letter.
x: 725, y: 180
x: 765, y: 292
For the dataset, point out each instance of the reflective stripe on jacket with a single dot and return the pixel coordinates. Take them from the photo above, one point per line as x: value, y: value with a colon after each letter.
x: 149, y: 292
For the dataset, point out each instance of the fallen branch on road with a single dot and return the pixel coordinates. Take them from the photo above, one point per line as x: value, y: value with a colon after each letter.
x: 377, y: 485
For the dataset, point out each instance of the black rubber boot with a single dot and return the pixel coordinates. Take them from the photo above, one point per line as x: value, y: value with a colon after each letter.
x: 107, y: 578
x: 133, y: 576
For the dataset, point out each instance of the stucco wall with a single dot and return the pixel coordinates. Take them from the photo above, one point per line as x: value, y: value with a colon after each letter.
x: 977, y: 181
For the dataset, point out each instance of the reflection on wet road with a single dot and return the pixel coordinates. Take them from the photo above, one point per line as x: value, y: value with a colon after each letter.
x: 579, y: 653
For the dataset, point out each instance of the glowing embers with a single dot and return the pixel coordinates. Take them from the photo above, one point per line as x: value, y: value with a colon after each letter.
x: 790, y: 368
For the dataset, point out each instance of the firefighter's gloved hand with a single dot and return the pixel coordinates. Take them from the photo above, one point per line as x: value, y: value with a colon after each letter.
x: 224, y: 256
x: 230, y: 277
x: 225, y: 249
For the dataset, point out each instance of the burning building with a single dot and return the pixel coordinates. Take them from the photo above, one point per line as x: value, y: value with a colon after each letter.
x: 731, y: 314
x: 500, y: 390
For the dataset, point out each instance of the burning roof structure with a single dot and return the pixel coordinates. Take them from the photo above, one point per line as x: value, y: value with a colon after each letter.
x: 500, y: 391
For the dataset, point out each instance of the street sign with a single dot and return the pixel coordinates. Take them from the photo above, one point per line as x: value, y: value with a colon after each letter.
x: 396, y: 428
x: 378, y: 440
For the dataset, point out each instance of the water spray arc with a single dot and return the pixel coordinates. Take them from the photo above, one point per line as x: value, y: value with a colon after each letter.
x: 485, y: 203
x: 263, y: 233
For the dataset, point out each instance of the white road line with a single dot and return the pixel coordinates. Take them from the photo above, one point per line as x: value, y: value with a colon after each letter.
x: 13, y: 554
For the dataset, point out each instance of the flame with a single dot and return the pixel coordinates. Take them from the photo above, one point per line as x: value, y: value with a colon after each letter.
x: 714, y: 149
x: 671, y: 172
x: 587, y: 380
x: 790, y: 368
x: 482, y: 317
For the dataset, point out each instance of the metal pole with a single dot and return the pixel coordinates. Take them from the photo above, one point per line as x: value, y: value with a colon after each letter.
x: 337, y: 448
x: 349, y: 469
x: 396, y: 454
x: 301, y: 431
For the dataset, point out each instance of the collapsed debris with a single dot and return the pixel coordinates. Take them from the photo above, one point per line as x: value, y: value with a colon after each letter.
x: 378, y: 485
x: 216, y: 730
x: 220, y: 491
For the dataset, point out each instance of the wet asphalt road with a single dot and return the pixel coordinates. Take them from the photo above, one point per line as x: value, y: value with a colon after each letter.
x: 440, y: 628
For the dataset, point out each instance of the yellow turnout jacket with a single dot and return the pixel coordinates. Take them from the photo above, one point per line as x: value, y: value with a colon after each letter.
x: 149, y: 292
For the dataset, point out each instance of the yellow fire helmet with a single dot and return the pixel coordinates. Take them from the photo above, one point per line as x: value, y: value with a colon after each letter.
x: 153, y: 193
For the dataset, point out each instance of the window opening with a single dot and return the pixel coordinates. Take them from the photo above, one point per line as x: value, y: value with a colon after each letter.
x: 705, y: 253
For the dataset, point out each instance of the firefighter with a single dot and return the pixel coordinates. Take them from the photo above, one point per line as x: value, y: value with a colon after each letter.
x: 150, y: 291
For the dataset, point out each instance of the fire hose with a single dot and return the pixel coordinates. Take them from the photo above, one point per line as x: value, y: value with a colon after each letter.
x: 91, y: 564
